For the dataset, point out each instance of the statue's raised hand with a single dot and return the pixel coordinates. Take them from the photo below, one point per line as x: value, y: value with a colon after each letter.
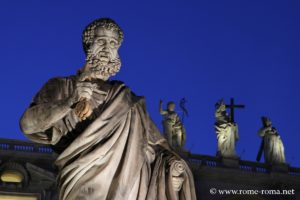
x: 83, y: 109
x: 83, y: 90
x: 80, y: 98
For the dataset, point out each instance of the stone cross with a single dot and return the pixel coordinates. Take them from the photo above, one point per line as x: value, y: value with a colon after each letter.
x: 232, y: 106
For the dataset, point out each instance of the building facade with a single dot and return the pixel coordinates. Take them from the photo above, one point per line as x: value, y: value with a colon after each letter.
x: 27, y: 172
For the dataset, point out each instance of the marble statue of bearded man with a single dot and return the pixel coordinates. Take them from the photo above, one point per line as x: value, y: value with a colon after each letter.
x: 108, y: 146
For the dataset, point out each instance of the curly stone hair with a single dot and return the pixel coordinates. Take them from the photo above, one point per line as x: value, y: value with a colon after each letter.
x: 89, y: 32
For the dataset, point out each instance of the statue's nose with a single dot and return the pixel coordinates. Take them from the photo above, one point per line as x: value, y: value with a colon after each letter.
x: 106, y: 44
x: 105, y: 49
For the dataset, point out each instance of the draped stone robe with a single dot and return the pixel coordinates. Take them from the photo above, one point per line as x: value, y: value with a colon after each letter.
x: 227, y: 135
x: 273, y: 146
x: 174, y: 130
x: 117, y: 153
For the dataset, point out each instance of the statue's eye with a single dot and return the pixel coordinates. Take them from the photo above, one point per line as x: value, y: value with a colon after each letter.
x: 100, y: 42
x: 113, y: 43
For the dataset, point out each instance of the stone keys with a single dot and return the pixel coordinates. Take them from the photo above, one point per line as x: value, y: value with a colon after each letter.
x: 173, y: 129
x: 227, y: 132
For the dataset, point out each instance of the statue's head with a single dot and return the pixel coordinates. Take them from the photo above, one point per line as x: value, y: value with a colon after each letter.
x: 101, y: 41
x: 266, y: 121
x: 220, y: 105
x: 171, y: 106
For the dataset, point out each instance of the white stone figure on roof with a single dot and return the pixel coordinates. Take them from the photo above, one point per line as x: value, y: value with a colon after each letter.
x: 173, y: 128
x: 272, y: 145
x: 227, y: 132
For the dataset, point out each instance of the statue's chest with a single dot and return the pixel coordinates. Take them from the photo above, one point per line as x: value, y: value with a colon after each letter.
x: 172, y: 117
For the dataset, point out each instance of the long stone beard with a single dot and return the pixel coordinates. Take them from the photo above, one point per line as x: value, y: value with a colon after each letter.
x: 102, y: 70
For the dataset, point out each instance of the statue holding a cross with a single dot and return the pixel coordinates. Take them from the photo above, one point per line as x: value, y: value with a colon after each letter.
x: 226, y: 129
x: 272, y: 145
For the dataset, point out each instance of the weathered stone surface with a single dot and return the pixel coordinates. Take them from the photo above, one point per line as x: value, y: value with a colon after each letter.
x: 108, y: 146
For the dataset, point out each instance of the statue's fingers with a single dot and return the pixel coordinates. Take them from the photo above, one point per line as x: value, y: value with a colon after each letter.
x: 87, y: 114
x: 81, y: 114
x: 79, y: 107
x: 85, y: 108
x: 90, y: 111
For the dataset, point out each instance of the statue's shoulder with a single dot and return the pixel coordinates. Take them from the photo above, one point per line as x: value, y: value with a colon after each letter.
x: 56, y: 81
x: 120, y: 86
x: 117, y: 83
x: 54, y: 88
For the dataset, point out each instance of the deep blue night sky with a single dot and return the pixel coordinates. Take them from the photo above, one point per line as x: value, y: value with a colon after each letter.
x: 200, y: 50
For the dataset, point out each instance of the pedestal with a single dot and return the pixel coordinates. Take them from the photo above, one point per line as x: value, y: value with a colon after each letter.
x: 230, y: 162
x: 283, y: 168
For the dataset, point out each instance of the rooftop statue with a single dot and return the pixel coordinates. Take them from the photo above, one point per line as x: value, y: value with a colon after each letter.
x: 173, y: 128
x: 227, y: 132
x: 108, y: 146
x: 271, y: 145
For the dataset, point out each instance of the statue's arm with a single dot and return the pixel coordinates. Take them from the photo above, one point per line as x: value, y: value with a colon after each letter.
x: 262, y: 132
x: 161, y: 110
x: 178, y: 122
x: 49, y: 105
x: 52, y: 103
x: 275, y: 131
x: 40, y: 117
